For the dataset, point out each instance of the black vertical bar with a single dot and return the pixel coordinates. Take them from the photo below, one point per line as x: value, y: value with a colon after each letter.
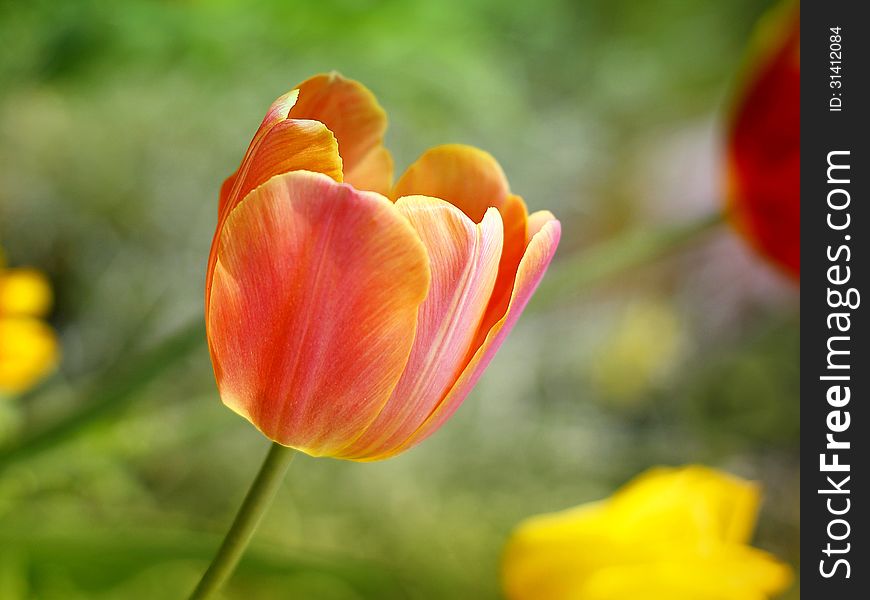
x: 835, y: 225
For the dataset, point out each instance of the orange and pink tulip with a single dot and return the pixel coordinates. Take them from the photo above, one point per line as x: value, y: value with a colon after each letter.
x: 348, y: 316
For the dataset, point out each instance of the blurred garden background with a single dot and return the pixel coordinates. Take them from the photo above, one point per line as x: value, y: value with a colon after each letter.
x: 118, y: 123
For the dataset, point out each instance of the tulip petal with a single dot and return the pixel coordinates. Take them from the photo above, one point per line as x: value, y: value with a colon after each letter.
x: 465, y: 176
x: 277, y: 112
x: 287, y: 145
x: 373, y: 173
x: 464, y: 258
x: 353, y: 114
x: 545, y: 231
x: 515, y: 216
x: 290, y: 145
x: 313, y: 308
x: 473, y: 181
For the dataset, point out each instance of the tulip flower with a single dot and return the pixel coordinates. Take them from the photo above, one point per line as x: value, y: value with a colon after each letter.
x: 28, y: 346
x: 347, y: 316
x: 671, y: 534
x: 763, y: 145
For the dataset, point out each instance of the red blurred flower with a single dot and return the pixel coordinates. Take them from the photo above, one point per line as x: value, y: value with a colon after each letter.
x: 764, y: 144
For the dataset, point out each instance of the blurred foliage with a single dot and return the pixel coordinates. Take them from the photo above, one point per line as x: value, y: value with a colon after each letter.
x: 118, y: 122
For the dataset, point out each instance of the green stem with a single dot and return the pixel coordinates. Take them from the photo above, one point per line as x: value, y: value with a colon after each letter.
x: 615, y: 256
x: 256, y: 502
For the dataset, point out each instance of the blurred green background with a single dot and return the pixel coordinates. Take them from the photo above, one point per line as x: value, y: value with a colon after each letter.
x: 119, y: 121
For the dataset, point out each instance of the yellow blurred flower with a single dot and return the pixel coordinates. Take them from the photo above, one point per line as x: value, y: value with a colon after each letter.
x: 28, y: 346
x: 670, y: 534
x: 645, y: 346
